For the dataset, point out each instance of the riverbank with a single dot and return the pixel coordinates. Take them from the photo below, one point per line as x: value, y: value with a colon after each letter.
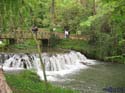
x: 29, y: 82
x: 91, y: 51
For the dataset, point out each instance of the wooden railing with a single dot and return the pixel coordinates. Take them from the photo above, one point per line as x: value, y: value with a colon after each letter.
x: 40, y: 35
x: 24, y: 35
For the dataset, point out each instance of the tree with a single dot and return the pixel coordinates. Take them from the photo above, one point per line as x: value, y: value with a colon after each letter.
x: 94, y: 7
x: 53, y: 12
x: 24, y: 12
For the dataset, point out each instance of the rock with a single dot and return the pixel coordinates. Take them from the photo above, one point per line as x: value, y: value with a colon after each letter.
x: 4, y: 88
x: 83, y: 63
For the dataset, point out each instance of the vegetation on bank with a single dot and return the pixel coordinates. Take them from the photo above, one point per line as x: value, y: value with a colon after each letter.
x: 98, y: 52
x: 29, y: 82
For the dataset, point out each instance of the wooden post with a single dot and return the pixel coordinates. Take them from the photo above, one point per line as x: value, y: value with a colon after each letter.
x: 94, y: 7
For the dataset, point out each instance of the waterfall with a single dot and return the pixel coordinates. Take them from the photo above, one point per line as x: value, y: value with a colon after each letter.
x: 55, y: 64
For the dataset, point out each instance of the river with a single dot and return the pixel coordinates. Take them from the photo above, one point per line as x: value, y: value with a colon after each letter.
x: 73, y: 70
x: 101, y: 78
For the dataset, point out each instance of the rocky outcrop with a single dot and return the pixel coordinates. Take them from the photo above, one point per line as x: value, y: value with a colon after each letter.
x: 4, y: 88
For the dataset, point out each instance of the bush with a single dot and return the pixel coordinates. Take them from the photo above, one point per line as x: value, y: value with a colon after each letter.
x: 120, y: 59
x: 54, y: 41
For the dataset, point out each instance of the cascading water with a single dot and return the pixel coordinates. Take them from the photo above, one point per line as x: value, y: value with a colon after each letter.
x: 56, y: 64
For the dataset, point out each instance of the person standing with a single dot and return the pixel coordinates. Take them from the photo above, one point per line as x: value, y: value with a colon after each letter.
x: 66, y: 32
x: 35, y: 29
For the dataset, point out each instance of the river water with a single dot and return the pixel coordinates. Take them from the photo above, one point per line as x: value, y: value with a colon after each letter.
x: 100, y: 78
x: 72, y: 70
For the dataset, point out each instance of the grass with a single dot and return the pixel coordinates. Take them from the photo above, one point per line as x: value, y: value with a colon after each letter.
x: 28, y: 43
x: 24, y: 47
x: 73, y: 44
x: 29, y: 82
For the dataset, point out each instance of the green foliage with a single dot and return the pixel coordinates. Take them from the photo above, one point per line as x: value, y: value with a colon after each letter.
x: 98, y: 50
x: 106, y: 29
x: 120, y: 59
x: 79, y: 45
x: 26, y: 44
x: 29, y: 82
x: 54, y: 41
x: 71, y: 15
x: 2, y: 45
x: 25, y: 12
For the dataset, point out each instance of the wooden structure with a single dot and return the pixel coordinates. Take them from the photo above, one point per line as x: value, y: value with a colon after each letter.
x: 24, y: 35
x: 41, y: 35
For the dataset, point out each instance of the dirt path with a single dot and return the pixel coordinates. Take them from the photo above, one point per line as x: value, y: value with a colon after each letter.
x: 4, y: 88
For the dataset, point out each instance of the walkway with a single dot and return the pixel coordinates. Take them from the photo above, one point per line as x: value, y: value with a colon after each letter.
x: 42, y: 34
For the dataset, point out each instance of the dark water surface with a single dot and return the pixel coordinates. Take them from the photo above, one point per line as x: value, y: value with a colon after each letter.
x: 100, y: 78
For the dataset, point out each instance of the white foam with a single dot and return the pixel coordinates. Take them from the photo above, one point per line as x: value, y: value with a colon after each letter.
x: 11, y: 69
x: 55, y: 65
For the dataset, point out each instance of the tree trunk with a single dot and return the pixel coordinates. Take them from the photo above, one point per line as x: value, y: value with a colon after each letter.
x: 39, y: 52
x: 53, y: 12
x: 83, y: 2
x: 94, y: 7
